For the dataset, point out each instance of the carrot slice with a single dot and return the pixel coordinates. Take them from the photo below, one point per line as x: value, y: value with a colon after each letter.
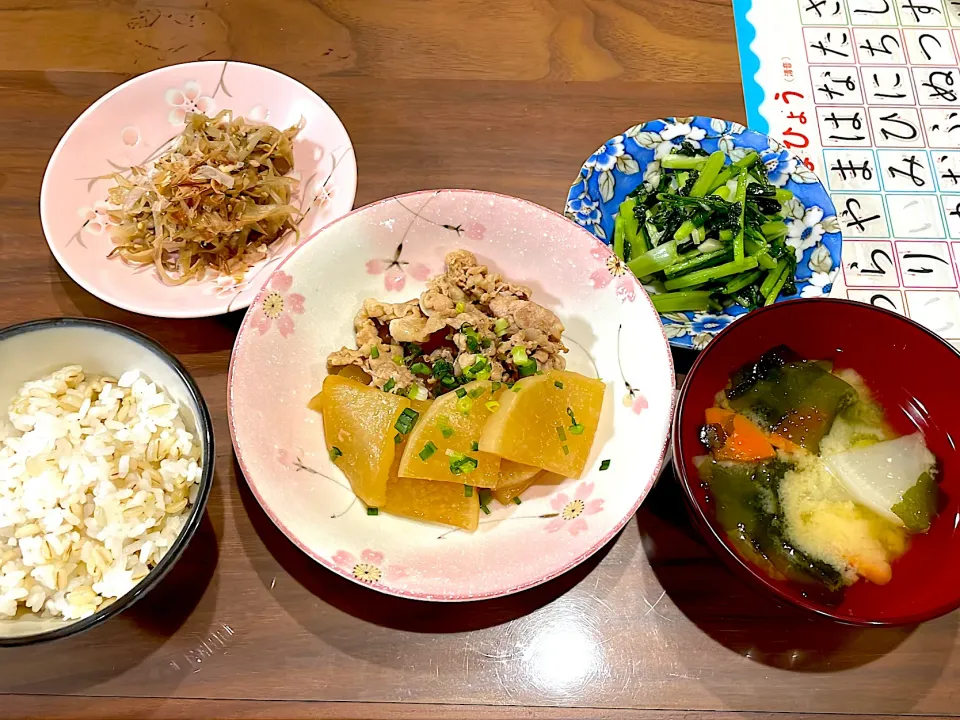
x: 746, y: 442
x: 719, y: 416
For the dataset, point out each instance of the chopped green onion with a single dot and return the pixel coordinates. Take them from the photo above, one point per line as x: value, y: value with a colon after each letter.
x: 604, y: 465
x: 374, y: 352
x: 460, y: 307
x: 389, y: 385
x: 461, y: 392
x: 472, y: 337
x: 464, y: 404
x: 576, y: 429
x: 495, y: 386
x: 558, y: 384
x: 561, y: 434
x: 481, y: 366
x: 573, y: 419
x: 397, y: 360
x: 373, y: 511
x: 419, y: 368
x: 515, y: 388
x: 566, y: 450
x: 500, y: 326
x: 461, y: 464
x: 486, y: 510
x: 519, y: 355
x: 475, y: 446
x: 398, y: 438
x: 415, y: 392
x: 492, y: 405
x: 477, y: 392
x: 468, y: 491
x: 528, y: 368
x: 517, y: 500
x: 428, y: 450
x: 408, y: 418
x: 335, y: 453
x: 447, y: 431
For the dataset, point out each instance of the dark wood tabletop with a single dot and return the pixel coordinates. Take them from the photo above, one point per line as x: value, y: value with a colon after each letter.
x: 504, y: 95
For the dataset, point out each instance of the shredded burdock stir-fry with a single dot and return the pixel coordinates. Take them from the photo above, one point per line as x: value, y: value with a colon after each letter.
x: 215, y: 201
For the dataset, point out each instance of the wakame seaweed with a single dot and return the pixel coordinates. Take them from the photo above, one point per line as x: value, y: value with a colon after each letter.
x: 798, y: 400
x: 746, y: 498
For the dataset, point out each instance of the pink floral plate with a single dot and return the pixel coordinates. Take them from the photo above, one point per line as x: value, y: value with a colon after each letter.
x: 388, y: 250
x: 132, y: 125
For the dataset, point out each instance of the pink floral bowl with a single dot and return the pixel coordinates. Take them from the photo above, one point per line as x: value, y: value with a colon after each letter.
x: 132, y: 124
x: 388, y: 250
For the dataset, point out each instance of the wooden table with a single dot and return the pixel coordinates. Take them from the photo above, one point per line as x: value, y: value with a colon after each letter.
x: 505, y: 95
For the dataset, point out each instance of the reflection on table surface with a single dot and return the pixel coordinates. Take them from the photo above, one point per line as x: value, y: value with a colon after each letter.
x: 654, y: 620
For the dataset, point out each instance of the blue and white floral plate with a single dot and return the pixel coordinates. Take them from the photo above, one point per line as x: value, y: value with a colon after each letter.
x: 625, y: 161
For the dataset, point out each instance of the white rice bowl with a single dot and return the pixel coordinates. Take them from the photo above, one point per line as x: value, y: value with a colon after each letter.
x: 106, y: 459
x: 95, y: 481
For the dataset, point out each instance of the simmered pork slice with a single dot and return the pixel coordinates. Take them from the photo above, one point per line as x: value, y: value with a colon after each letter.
x: 476, y: 280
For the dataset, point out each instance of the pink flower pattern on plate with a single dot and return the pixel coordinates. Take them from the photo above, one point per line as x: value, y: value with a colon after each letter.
x: 188, y: 99
x: 96, y: 219
x: 395, y: 272
x: 572, y: 512
x: 278, y: 305
x: 613, y: 268
x: 370, y: 568
x: 635, y: 400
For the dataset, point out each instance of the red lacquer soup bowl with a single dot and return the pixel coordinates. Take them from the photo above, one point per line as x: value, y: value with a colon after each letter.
x: 912, y: 373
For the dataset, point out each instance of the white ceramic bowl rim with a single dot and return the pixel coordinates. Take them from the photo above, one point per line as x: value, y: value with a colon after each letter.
x: 205, y: 434
x: 570, y: 564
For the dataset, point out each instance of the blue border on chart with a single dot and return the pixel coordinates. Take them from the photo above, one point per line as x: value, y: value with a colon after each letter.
x: 749, y: 66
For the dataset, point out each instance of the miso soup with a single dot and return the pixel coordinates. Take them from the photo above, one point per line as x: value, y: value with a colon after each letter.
x: 808, y: 478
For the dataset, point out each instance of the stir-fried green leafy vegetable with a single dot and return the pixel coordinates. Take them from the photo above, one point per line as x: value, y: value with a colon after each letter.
x: 710, y: 234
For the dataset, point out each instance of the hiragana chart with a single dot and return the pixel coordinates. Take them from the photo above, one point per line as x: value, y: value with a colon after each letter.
x: 866, y: 93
